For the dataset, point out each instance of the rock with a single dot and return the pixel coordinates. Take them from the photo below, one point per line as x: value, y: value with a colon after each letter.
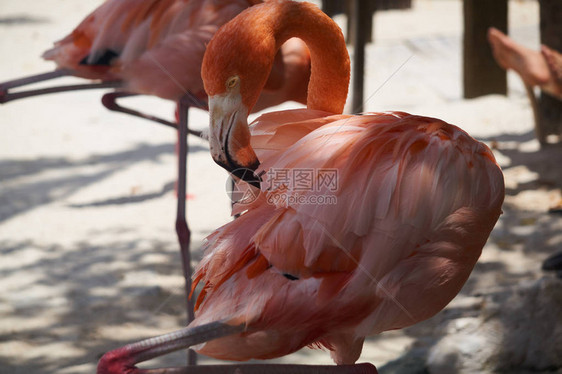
x: 519, y: 330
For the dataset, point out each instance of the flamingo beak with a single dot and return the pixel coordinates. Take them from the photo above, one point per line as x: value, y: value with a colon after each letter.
x: 229, y: 138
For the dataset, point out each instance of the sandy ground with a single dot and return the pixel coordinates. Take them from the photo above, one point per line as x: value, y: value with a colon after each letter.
x: 88, y: 256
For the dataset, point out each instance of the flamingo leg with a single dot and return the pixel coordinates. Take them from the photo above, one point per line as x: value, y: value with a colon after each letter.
x: 364, y: 368
x: 109, y: 100
x: 124, y: 359
x: 6, y: 87
x: 182, y: 228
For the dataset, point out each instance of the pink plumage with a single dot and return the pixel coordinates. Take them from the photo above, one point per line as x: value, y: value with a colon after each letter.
x: 155, y: 46
x: 387, y: 242
x: 415, y: 202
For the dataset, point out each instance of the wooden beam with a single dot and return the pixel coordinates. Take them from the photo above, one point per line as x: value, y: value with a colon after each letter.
x: 549, y: 116
x: 332, y: 7
x: 360, y: 20
x: 481, y: 73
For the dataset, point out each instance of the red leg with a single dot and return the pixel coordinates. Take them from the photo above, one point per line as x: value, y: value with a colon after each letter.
x: 109, y: 100
x: 5, y: 87
x: 123, y: 360
x: 19, y: 82
x: 182, y: 228
x: 364, y: 368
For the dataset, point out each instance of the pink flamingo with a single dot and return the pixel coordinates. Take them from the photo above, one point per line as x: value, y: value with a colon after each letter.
x: 156, y: 47
x: 415, y: 201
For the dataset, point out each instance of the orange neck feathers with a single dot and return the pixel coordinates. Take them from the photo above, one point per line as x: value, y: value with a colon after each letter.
x: 247, y: 45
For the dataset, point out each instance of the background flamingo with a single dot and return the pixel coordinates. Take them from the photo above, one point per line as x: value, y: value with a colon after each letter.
x: 155, y: 47
x: 416, y: 201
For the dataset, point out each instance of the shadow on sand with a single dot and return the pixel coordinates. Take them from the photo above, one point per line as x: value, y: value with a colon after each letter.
x: 29, y: 184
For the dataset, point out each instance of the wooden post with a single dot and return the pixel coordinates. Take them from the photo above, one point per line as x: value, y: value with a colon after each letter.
x: 481, y: 74
x: 360, y: 15
x: 549, y: 109
x: 332, y: 7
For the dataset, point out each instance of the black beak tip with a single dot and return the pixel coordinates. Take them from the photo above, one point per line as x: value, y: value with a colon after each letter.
x: 243, y: 173
x: 248, y: 176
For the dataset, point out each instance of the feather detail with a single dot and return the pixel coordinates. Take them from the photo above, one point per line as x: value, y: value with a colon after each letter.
x: 148, y: 38
x: 416, y: 199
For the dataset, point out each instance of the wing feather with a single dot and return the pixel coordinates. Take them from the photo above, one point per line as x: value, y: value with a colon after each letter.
x: 147, y: 36
x: 416, y: 199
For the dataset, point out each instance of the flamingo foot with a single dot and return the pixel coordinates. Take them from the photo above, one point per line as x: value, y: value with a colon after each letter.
x: 529, y: 64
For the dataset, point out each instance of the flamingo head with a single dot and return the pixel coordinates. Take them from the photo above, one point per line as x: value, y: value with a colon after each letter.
x: 235, y: 68
x: 229, y: 135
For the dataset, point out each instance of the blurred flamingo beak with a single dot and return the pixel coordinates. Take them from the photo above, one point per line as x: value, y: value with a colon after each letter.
x: 229, y: 139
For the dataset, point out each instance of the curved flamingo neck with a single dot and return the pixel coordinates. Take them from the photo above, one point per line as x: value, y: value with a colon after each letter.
x: 329, y: 78
x: 330, y: 68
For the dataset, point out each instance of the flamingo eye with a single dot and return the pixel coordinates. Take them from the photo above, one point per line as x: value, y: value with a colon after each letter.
x: 232, y: 82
